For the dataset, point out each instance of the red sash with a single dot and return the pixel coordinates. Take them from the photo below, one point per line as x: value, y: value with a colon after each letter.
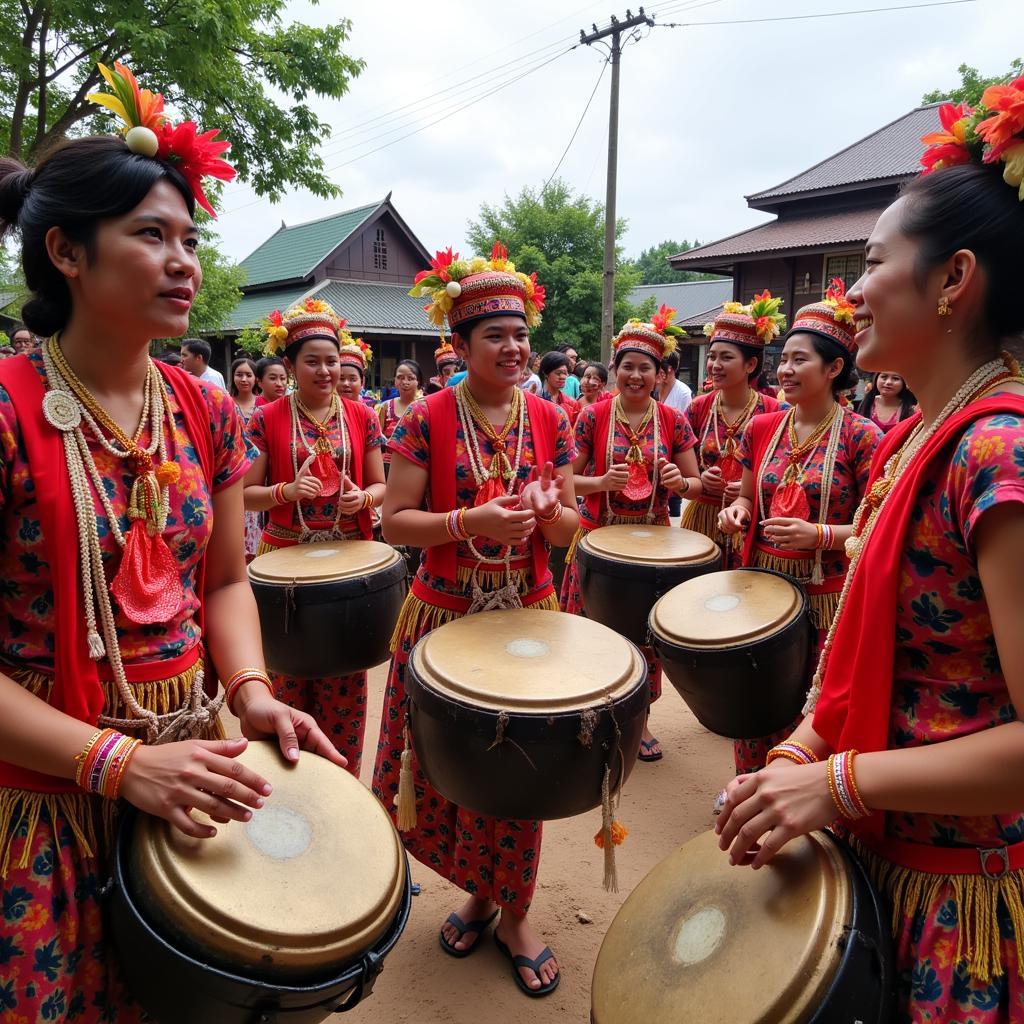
x: 762, y: 429
x: 76, y: 687
x: 277, y: 421
x: 599, y: 454
x: 442, y: 419
x: 855, y: 704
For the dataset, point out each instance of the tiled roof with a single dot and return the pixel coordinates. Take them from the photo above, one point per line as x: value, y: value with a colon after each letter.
x: 786, y: 234
x: 291, y: 253
x: 253, y: 309
x: 687, y: 297
x: 696, y: 322
x: 893, y: 151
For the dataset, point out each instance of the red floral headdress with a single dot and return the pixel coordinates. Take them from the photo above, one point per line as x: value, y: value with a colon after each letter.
x: 655, y: 339
x: 149, y: 132
x: 312, y: 318
x: 831, y: 318
x: 993, y: 133
x: 755, y: 325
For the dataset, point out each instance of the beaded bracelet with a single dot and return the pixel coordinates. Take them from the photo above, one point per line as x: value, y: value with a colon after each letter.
x: 240, y: 678
x: 277, y: 494
x: 101, y: 765
x: 367, y: 501
x: 842, y: 786
x: 553, y: 518
x: 455, y: 524
x: 798, y: 753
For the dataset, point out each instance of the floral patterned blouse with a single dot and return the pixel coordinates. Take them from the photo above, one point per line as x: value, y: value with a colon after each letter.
x: 857, y: 445
x: 698, y: 415
x: 317, y: 512
x: 26, y: 597
x: 682, y: 440
x: 411, y: 440
x: 947, y: 679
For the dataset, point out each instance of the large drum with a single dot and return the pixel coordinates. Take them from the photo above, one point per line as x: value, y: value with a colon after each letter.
x: 328, y: 609
x: 804, y: 939
x: 623, y: 570
x: 518, y: 713
x: 284, y: 918
x: 737, y: 646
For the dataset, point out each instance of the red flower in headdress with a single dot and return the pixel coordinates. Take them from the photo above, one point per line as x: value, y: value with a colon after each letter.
x: 539, y: 295
x: 276, y: 318
x: 1007, y: 121
x: 664, y: 317
x: 438, y: 265
x: 195, y: 156
x: 499, y: 252
x: 949, y: 146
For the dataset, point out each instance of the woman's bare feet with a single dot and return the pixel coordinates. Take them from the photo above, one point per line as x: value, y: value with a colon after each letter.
x: 515, y: 932
x: 473, y: 910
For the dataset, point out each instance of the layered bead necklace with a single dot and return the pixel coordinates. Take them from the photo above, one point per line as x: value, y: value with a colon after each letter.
x: 727, y: 460
x: 638, y: 484
x: 868, y: 514
x: 325, y: 469
x: 148, y: 583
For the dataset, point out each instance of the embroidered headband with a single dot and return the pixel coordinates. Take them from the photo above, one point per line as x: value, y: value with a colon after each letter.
x: 304, y: 321
x: 832, y: 318
x: 755, y: 325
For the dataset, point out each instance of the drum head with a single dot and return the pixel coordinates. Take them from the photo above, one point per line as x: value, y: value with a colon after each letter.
x: 726, y: 609
x: 312, y: 881
x: 650, y: 545
x: 325, y: 562
x: 698, y: 940
x: 528, y: 661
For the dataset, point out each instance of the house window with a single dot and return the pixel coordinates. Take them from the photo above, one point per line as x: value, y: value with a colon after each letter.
x: 848, y: 266
x: 380, y: 251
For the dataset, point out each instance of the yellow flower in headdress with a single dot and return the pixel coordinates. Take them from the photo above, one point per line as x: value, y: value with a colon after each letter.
x: 733, y: 307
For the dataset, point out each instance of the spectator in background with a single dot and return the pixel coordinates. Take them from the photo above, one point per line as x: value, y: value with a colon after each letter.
x: 195, y: 358
x: 554, y: 372
x: 593, y: 385
x: 675, y: 394
x: 272, y: 378
x: 23, y: 340
x: 531, y: 378
x: 6, y: 352
x: 572, y: 384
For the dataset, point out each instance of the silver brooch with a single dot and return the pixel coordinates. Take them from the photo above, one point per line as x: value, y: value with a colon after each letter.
x: 62, y: 410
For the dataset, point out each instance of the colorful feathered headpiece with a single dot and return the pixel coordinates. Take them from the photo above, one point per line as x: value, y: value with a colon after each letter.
x: 992, y: 133
x: 831, y: 318
x: 755, y: 325
x: 655, y: 339
x: 462, y: 291
x: 354, y: 352
x: 149, y: 132
x: 445, y: 354
x: 304, y: 321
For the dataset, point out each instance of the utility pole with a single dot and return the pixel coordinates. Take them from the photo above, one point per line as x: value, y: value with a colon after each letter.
x: 614, y: 30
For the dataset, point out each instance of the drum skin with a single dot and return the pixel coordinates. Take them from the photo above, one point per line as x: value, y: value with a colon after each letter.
x: 174, y: 987
x: 335, y: 628
x: 745, y: 691
x: 620, y: 595
x: 688, y: 939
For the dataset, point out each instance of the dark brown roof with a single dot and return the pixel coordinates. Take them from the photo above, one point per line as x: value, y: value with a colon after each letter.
x: 892, y: 152
x: 788, y: 234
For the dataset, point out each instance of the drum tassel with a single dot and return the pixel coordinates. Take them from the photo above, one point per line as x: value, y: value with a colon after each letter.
x: 406, y: 787
x: 613, y: 833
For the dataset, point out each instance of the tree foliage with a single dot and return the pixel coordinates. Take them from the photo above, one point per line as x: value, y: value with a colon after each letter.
x: 560, y: 236
x: 972, y: 85
x: 221, y: 289
x: 237, y: 65
x: 652, y: 264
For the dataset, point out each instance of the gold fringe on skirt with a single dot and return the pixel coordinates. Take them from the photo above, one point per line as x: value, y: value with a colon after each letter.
x: 977, y: 901
x: 418, y: 617
x: 91, y: 818
x: 822, y: 607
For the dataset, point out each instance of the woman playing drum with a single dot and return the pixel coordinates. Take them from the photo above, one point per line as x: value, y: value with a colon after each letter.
x: 319, y: 474
x: 631, y: 454
x: 719, y: 417
x: 805, y: 472
x: 481, y: 457
x: 121, y: 513
x: 924, y: 667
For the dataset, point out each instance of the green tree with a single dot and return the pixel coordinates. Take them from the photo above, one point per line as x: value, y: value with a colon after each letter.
x: 237, y: 65
x: 652, y: 264
x: 560, y: 236
x: 221, y: 289
x: 972, y: 85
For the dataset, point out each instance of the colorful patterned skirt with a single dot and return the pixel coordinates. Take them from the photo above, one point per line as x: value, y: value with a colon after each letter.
x: 487, y: 857
x: 56, y: 962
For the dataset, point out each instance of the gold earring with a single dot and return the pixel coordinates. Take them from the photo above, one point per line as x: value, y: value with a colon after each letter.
x: 945, y: 309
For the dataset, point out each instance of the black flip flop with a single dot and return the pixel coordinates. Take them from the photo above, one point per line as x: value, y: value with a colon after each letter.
x: 533, y: 965
x: 647, y: 745
x: 472, y: 926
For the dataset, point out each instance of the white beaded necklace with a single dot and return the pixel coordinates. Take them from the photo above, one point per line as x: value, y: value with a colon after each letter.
x: 306, y: 535
x: 616, y: 412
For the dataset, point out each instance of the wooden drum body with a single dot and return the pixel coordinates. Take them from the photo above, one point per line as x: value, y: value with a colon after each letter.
x: 737, y: 646
x: 284, y: 918
x: 517, y: 713
x: 328, y: 609
x: 623, y: 571
x: 804, y: 939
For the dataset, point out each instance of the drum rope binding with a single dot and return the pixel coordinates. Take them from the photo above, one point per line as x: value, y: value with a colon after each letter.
x: 612, y: 832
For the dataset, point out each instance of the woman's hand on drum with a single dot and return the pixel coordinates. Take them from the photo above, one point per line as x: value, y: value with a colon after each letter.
x: 170, y: 779
x: 712, y: 482
x: 501, y: 519
x: 616, y: 478
x: 351, y: 499
x: 734, y: 519
x: 544, y: 493
x: 790, y: 534
x: 262, y: 715
x: 765, y: 810
x: 305, y: 486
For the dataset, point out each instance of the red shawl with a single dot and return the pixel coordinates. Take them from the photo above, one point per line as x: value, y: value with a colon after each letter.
x: 853, y: 715
x: 599, y: 453
x: 76, y: 687
x: 762, y: 429
x: 542, y: 418
x: 277, y: 421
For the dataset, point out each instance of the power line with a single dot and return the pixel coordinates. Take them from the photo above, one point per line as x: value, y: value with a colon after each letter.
x: 807, y: 17
x: 579, y: 124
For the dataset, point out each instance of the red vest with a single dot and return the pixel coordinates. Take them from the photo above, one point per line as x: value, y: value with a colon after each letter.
x: 762, y: 429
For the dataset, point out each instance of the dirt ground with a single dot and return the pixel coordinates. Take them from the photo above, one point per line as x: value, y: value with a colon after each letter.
x: 663, y: 805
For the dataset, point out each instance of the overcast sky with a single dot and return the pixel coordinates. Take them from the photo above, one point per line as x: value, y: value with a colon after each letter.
x: 708, y: 114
